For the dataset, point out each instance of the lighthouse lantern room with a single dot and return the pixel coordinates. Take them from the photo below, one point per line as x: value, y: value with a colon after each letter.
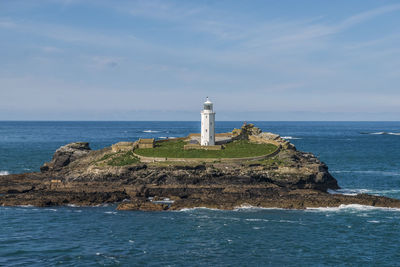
x: 207, y: 124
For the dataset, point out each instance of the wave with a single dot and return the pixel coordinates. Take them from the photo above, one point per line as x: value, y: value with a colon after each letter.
x: 353, y: 192
x: 111, y: 212
x: 290, y: 138
x: 73, y: 206
x: 243, y: 207
x: 348, y: 192
x: 4, y: 173
x: 195, y: 208
x: 342, y: 207
x: 51, y: 209
x: 150, y: 131
x: 352, y: 207
x: 382, y: 133
x: 250, y: 207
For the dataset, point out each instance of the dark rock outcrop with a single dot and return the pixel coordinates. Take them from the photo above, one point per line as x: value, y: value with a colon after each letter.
x: 65, y: 155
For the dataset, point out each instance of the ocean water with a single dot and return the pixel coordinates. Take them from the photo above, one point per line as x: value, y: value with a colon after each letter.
x: 363, y: 157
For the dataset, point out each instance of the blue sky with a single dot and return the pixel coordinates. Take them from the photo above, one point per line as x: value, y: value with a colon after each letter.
x: 158, y: 60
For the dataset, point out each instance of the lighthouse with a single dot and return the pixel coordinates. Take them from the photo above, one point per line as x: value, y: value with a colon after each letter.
x: 207, y: 124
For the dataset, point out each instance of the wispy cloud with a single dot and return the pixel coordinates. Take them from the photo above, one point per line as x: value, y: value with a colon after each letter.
x: 7, y: 23
x: 51, y: 49
x: 104, y: 62
x: 364, y: 16
x: 162, y: 10
x: 161, y: 49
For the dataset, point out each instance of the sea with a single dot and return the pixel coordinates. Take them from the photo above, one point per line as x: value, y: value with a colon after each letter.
x: 363, y: 156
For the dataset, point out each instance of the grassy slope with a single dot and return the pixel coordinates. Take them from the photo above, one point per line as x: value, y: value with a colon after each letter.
x: 237, y: 149
x: 118, y: 159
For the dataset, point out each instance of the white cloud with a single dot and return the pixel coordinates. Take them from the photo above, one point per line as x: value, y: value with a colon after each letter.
x: 104, y: 62
x: 51, y: 49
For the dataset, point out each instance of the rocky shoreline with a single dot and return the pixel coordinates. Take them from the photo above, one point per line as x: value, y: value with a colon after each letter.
x: 78, y: 175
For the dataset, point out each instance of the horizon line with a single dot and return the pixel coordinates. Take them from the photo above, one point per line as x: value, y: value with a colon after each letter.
x: 198, y: 121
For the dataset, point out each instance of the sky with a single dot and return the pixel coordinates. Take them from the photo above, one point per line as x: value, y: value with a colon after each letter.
x: 158, y: 60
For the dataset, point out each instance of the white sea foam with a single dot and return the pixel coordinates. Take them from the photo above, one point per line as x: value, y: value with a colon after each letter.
x: 384, y: 133
x: 193, y: 209
x: 150, y: 131
x: 352, y: 207
x: 52, y: 209
x: 110, y: 212
x: 238, y: 208
x: 163, y: 137
x: 250, y: 207
x: 343, y: 207
x: 374, y: 221
x: 353, y: 192
x: 290, y: 137
x: 4, y: 173
x: 348, y: 192
x: 254, y: 220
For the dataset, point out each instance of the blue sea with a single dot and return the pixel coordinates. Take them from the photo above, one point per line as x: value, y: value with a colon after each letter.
x: 362, y: 156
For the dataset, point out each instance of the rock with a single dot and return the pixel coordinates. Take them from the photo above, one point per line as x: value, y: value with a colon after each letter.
x: 269, y: 136
x: 65, y: 155
x: 142, y: 204
x: 245, y: 131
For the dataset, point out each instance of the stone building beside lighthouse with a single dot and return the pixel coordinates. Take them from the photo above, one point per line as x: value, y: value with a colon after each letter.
x: 207, y: 124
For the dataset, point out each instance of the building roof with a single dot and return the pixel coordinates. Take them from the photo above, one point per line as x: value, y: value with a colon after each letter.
x: 208, y: 101
x: 146, y: 140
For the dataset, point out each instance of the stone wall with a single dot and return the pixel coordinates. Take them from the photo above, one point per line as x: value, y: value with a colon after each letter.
x: 122, y: 147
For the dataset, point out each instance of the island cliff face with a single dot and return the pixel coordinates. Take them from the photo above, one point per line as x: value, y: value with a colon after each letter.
x: 80, y: 176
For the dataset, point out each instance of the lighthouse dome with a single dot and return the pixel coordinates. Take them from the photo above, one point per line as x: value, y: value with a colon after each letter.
x: 208, y: 105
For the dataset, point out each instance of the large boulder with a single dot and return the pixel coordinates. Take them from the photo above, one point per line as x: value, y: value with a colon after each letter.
x: 65, y: 155
x: 245, y: 131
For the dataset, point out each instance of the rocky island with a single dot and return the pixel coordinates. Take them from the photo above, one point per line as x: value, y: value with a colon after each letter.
x: 247, y: 167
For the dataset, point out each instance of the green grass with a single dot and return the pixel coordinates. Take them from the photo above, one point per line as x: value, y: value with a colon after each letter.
x: 236, y: 149
x: 270, y: 162
x: 107, y: 156
x: 122, y: 159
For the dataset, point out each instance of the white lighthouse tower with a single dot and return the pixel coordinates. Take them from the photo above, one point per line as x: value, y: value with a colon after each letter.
x: 207, y: 124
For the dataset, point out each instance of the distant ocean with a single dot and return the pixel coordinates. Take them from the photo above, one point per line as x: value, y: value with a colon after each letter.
x: 363, y: 156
